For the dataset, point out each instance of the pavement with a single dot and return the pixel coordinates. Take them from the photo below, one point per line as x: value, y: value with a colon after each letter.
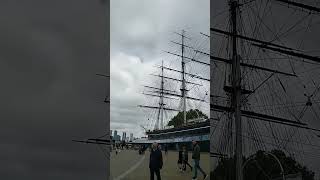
x: 129, y: 165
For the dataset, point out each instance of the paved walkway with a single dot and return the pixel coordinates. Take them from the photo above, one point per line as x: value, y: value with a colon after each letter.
x: 129, y: 165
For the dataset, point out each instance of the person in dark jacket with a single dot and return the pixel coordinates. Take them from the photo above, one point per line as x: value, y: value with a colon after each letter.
x: 155, y: 162
x: 196, y: 161
x: 180, y: 159
x: 185, y: 158
x: 166, y: 149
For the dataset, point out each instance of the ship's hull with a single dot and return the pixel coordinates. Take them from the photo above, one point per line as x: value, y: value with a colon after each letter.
x: 174, y: 138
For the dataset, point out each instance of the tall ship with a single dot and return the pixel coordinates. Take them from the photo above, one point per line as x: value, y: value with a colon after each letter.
x: 178, y: 101
x: 264, y: 89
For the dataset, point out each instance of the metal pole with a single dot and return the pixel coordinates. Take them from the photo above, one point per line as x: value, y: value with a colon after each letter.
x: 236, y: 84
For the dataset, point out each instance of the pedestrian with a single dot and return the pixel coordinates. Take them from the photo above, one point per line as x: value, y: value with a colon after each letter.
x: 196, y: 161
x: 155, y: 162
x: 185, y: 158
x: 144, y: 148
x: 140, y: 149
x: 165, y: 149
x: 180, y: 159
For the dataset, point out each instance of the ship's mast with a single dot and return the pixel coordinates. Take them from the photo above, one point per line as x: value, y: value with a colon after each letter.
x: 236, y: 90
x: 183, y: 88
x: 165, y: 93
x: 161, y: 97
x: 236, y: 85
x: 161, y: 104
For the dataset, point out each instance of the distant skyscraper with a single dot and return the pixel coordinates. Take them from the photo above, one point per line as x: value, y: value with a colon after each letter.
x: 123, y: 136
x: 110, y: 132
x: 115, y: 133
x: 118, y: 138
x: 131, y: 136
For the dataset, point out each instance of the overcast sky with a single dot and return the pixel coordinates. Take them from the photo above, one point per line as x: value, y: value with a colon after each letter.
x: 50, y: 52
x: 140, y: 31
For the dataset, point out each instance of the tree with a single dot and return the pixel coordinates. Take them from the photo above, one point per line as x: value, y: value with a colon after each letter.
x: 262, y: 167
x: 177, y: 120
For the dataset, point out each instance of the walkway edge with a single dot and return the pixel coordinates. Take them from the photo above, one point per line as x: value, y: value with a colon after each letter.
x: 130, y: 170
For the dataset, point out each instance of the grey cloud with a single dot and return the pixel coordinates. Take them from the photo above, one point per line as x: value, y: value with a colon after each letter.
x: 144, y: 31
x: 50, y: 51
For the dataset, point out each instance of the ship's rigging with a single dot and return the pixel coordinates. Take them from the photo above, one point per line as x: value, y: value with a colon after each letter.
x: 251, y: 75
x: 162, y: 93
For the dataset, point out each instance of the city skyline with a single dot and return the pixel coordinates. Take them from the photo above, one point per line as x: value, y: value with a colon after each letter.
x: 130, y: 137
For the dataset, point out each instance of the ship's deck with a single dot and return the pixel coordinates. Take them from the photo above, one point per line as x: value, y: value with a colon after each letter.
x: 129, y: 165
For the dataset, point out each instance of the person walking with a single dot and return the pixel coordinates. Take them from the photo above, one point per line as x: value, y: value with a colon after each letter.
x: 155, y: 162
x: 185, y: 158
x: 140, y: 149
x: 180, y: 159
x: 166, y: 149
x: 116, y: 147
x: 196, y: 161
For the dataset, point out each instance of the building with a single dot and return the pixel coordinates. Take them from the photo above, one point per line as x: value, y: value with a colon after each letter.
x: 116, y: 138
x: 131, y: 137
x: 124, y: 136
